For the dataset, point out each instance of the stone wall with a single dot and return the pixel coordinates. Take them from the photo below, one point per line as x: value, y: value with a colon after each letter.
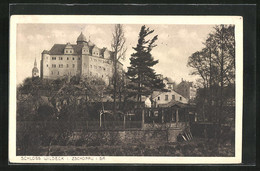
x: 133, y: 136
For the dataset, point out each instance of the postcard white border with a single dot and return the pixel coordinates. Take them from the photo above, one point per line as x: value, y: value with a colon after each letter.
x: 123, y: 19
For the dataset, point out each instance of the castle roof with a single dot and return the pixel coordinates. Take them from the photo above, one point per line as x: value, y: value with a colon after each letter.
x: 58, y: 49
x: 81, y: 38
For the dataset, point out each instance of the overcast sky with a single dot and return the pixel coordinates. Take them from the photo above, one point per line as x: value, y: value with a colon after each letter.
x: 174, y: 45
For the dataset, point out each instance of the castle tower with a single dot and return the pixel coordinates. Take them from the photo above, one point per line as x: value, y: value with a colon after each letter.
x: 81, y: 39
x: 35, y: 71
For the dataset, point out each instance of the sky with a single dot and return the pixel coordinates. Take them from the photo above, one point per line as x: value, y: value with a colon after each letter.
x: 175, y: 44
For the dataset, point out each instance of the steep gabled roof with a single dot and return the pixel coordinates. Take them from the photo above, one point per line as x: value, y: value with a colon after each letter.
x: 57, y: 49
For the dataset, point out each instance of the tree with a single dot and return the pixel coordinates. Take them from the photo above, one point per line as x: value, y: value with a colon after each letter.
x: 118, y: 48
x: 215, y: 64
x: 141, y: 72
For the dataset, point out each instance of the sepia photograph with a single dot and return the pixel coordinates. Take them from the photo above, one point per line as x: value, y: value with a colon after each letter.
x: 126, y: 89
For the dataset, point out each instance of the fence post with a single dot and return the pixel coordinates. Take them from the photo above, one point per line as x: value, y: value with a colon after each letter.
x: 142, y: 118
x: 177, y: 117
x: 162, y: 115
x: 124, y: 121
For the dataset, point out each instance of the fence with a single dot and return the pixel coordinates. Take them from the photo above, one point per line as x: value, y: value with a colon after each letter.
x: 79, y: 125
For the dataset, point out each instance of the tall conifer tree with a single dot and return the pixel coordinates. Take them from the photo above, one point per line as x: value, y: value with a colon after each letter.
x: 141, y: 72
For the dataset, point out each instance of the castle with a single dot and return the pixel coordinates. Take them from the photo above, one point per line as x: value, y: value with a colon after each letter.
x: 83, y: 58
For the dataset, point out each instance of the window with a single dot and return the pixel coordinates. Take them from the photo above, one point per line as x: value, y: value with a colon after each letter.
x: 47, y: 65
x: 53, y: 58
x: 104, y: 68
x: 68, y: 58
x: 102, y: 76
x: 95, y: 66
x: 158, y: 98
x: 60, y: 65
x: 95, y: 60
x: 97, y: 53
x: 60, y: 58
x: 73, y: 65
x: 90, y: 73
x: 180, y: 98
x: 67, y: 65
x: 79, y: 58
x: 66, y: 51
x: 166, y: 97
x: 70, y: 51
x: 51, y: 72
x: 53, y: 65
x: 90, y: 66
x: 58, y: 73
x: 99, y: 67
x: 173, y: 97
x: 73, y: 58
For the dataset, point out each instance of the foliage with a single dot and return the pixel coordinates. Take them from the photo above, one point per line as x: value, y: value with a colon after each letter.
x: 119, y: 49
x: 59, y: 102
x: 215, y: 64
x: 141, y: 72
